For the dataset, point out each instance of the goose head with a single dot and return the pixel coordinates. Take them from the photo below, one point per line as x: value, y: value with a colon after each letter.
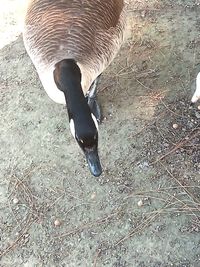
x: 83, y: 124
x: 86, y: 135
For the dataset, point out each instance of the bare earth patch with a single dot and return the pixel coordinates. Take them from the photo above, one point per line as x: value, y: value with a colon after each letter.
x: 144, y: 211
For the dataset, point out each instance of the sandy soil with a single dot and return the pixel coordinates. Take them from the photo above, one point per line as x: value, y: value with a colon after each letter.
x: 144, y: 211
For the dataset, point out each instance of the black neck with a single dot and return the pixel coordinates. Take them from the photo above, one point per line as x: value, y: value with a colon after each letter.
x: 67, y: 76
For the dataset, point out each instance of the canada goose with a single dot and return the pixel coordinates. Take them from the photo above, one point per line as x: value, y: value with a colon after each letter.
x: 196, y: 95
x: 71, y: 42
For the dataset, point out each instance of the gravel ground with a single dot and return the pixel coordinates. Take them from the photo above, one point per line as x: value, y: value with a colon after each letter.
x: 144, y: 211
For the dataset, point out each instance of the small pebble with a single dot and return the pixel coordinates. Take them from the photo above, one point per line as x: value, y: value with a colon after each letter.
x: 57, y: 222
x: 143, y: 14
x: 140, y: 203
x: 197, y: 114
x: 175, y: 126
x: 15, y: 200
x: 198, y: 107
x: 93, y: 196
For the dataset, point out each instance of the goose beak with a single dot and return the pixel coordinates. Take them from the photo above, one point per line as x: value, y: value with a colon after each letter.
x: 93, y: 162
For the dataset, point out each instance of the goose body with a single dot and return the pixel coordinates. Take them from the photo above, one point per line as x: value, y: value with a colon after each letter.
x: 88, y: 31
x: 71, y: 42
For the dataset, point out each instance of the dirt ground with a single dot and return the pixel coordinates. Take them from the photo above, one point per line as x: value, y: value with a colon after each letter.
x: 144, y: 211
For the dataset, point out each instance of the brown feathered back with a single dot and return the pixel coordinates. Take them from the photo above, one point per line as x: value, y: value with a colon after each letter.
x: 89, y: 31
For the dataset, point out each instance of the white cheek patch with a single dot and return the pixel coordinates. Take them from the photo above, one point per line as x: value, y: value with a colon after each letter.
x: 95, y: 121
x: 72, y: 127
x: 196, y: 95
